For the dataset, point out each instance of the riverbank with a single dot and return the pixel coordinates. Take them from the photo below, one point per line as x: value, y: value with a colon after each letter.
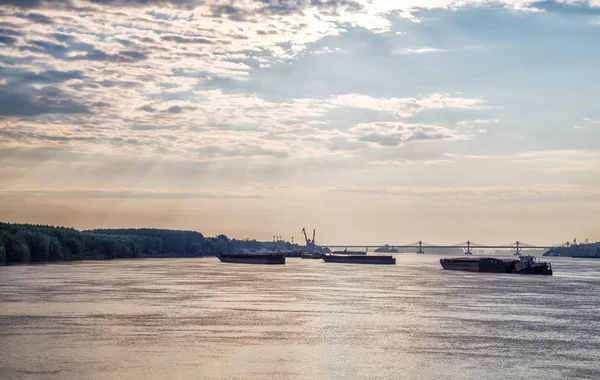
x: 586, y: 250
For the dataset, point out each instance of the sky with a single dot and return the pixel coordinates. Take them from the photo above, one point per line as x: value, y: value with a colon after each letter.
x: 371, y: 121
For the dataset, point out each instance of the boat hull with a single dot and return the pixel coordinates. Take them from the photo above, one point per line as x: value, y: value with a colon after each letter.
x: 353, y: 259
x: 312, y: 256
x: 253, y: 259
x: 463, y: 265
x: 536, y: 270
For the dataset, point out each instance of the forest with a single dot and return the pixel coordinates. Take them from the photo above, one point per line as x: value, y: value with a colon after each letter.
x: 32, y: 243
x: 576, y: 250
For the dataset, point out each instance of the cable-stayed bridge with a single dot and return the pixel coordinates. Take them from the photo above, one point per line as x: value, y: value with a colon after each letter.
x: 468, y: 246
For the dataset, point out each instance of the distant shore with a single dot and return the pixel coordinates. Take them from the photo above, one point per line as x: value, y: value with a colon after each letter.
x: 34, y: 243
x: 586, y: 250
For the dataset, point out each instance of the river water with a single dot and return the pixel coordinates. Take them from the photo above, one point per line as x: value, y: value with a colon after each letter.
x: 202, y: 319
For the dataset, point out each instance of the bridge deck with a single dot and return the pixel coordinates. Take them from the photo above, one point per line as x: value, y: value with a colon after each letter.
x: 440, y: 246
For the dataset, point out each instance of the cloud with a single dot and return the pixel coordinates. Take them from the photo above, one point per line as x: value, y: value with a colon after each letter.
x: 147, y: 108
x: 230, y: 11
x: 9, y: 32
x: 29, y: 101
x: 464, y: 123
x: 457, y: 195
x: 122, y: 56
x: 7, y: 40
x: 546, y: 161
x: 186, y: 40
x: 178, y: 109
x: 32, y: 136
x: 241, y: 150
x: 393, y: 134
x: 422, y: 50
x: 406, y: 107
x: 590, y: 124
x: 284, y: 7
x: 39, y: 18
x: 582, y: 7
x: 31, y: 3
x: 125, y: 194
x: 46, y: 47
x: 410, y: 162
x: 19, y: 77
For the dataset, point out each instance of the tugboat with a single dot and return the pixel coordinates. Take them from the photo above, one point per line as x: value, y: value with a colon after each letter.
x: 531, y: 265
x: 245, y: 258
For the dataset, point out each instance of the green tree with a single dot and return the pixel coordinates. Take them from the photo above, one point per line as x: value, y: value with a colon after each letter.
x: 134, y: 248
x: 39, y: 245
x: 75, y: 247
x: 2, y: 253
x: 55, y: 250
x: 18, y: 252
x: 221, y: 247
x: 195, y: 249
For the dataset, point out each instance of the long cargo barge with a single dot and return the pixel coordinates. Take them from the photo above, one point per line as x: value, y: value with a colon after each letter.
x: 522, y: 265
x: 252, y: 258
x: 346, y: 252
x: 359, y: 259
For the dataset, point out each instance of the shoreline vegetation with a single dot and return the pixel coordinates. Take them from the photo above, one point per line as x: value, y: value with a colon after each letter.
x: 583, y: 250
x: 35, y: 243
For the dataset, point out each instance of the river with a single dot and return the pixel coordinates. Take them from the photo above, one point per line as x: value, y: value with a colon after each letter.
x: 202, y: 319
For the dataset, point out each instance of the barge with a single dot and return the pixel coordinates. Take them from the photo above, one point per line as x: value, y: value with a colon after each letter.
x: 240, y: 258
x: 359, y: 259
x: 522, y: 265
x: 346, y: 252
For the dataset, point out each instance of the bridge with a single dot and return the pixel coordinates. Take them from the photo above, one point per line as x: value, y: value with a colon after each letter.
x: 468, y: 246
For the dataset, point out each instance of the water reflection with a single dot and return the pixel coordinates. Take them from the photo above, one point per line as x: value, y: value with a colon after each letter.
x: 202, y: 319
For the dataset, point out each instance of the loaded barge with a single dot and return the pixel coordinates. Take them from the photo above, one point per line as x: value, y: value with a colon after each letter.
x: 241, y: 258
x: 522, y: 265
x: 359, y: 259
x: 346, y: 252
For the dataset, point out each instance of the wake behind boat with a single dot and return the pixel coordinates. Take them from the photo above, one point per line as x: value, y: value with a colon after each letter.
x: 359, y: 259
x: 250, y: 258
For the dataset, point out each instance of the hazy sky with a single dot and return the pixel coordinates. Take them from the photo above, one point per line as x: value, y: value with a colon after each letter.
x: 373, y: 121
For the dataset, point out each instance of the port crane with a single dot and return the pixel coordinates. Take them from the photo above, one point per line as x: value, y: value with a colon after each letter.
x: 309, y: 243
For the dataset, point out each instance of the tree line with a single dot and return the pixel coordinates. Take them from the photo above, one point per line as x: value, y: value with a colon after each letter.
x: 33, y: 243
x: 580, y: 250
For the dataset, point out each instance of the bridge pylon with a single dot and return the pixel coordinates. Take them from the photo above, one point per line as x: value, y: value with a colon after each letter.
x: 420, y: 248
x: 468, y: 249
x: 517, y: 249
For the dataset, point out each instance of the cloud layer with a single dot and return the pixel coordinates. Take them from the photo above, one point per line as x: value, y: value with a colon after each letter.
x: 176, y: 99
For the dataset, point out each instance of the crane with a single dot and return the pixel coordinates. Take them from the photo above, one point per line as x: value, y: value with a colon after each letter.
x: 309, y: 243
